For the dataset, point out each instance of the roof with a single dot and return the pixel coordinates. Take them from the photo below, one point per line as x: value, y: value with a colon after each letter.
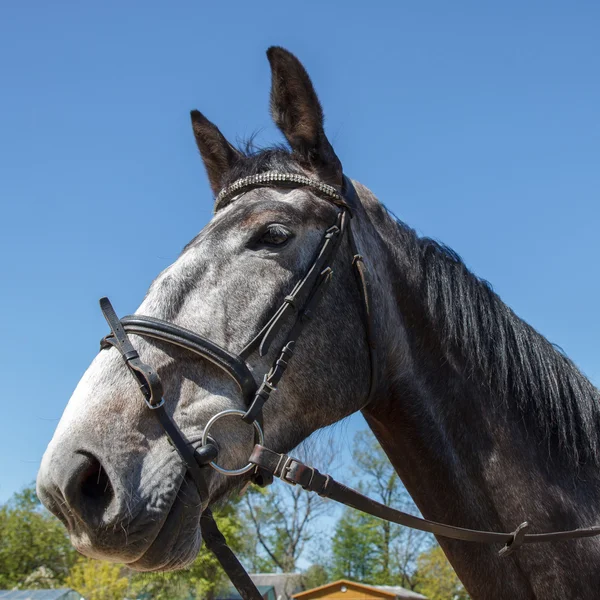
x: 386, y: 591
x: 57, y: 594
x: 399, y: 591
x: 266, y: 591
x: 285, y: 584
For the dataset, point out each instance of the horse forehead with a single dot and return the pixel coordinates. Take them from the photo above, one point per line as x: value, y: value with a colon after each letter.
x: 297, y: 205
x: 222, y: 237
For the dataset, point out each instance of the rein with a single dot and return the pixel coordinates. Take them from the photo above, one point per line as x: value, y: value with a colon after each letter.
x: 265, y: 464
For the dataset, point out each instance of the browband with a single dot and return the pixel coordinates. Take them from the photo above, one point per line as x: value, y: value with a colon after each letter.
x: 277, y: 179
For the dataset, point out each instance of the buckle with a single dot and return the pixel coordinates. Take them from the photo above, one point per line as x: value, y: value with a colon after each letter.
x: 154, y: 406
x: 268, y: 384
x: 286, y: 469
x: 333, y: 230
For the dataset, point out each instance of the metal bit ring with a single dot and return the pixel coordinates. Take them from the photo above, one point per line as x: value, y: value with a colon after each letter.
x: 211, y: 422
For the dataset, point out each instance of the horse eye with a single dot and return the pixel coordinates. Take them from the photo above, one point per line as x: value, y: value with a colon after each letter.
x: 275, y: 235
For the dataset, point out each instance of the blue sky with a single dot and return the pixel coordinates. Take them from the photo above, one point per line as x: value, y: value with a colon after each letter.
x: 476, y: 123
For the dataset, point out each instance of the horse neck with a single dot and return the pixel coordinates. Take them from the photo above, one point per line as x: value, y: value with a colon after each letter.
x: 467, y: 457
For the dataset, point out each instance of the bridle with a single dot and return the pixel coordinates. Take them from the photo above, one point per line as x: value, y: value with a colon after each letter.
x: 265, y: 464
x: 301, y: 303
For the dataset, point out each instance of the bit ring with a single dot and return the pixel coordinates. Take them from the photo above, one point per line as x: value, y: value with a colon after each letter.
x: 211, y: 422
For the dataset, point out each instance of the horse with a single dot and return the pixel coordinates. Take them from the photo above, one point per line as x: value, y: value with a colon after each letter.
x: 486, y: 422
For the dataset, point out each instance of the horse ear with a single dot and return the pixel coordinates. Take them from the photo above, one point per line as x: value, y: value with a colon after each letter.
x: 297, y: 112
x: 218, y: 154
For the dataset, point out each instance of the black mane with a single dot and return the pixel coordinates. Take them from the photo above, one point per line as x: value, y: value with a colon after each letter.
x: 480, y: 332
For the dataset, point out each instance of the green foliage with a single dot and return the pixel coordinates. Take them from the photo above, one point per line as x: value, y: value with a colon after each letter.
x: 35, y: 552
x: 31, y: 538
x: 315, y: 576
x: 436, y: 579
x: 97, y: 580
x: 367, y: 549
x: 26, y: 499
x: 283, y: 519
x: 354, y: 547
x: 43, y: 578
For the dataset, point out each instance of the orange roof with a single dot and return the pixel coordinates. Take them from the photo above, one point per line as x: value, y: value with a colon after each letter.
x: 360, y: 586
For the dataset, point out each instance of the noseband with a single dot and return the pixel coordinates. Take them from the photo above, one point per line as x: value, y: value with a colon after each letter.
x: 301, y: 303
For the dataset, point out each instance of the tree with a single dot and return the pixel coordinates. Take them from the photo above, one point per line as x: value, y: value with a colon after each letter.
x: 35, y: 552
x: 407, y: 546
x: 283, y: 519
x: 43, y: 578
x: 315, y: 576
x: 98, y: 580
x: 397, y: 547
x: 435, y: 577
x: 354, y: 547
x: 32, y: 540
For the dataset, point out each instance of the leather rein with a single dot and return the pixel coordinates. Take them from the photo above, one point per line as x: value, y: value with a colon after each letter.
x: 265, y: 464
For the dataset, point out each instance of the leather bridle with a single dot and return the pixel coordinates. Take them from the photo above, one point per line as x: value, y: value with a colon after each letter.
x: 301, y: 303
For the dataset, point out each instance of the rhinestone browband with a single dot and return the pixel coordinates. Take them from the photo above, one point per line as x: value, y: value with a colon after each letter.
x: 275, y: 179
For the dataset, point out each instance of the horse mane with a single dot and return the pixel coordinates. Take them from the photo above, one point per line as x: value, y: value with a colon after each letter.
x: 496, y: 348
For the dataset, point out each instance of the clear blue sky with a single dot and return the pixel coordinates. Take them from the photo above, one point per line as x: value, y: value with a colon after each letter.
x: 477, y: 123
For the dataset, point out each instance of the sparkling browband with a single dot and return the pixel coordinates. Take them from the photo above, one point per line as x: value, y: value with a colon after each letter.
x: 274, y: 179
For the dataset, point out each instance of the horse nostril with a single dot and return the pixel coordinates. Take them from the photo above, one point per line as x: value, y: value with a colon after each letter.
x: 95, y: 484
x: 89, y: 492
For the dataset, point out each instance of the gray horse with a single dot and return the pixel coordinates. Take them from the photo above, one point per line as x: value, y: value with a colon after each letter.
x: 484, y: 420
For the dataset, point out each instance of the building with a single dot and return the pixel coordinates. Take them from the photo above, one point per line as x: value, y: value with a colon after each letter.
x: 58, y: 594
x: 349, y: 590
x: 267, y: 592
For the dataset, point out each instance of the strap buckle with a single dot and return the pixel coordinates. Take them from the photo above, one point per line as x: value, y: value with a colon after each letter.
x: 286, y: 468
x: 267, y: 383
x: 154, y: 406
x: 332, y: 231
